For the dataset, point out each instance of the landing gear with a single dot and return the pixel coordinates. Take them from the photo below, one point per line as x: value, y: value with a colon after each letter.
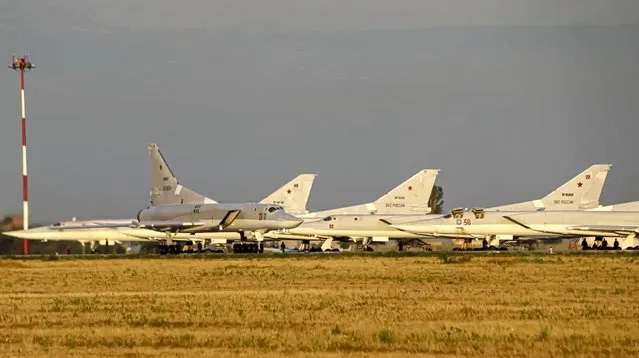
x: 93, y: 246
x: 366, y: 244
x: 467, y: 245
x: 248, y: 248
x: 414, y: 245
x: 170, y: 249
x: 245, y: 247
x: 305, y: 245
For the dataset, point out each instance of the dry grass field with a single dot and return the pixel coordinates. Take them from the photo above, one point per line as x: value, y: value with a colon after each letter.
x: 331, y: 305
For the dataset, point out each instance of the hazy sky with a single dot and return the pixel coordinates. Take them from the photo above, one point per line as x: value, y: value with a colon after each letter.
x: 509, y: 98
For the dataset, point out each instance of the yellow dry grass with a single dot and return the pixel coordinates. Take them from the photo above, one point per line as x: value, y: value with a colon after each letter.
x: 511, y: 306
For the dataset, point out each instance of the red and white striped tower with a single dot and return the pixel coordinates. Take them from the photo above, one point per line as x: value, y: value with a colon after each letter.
x: 23, y: 64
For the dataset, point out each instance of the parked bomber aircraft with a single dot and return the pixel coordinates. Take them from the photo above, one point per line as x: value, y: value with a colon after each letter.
x: 581, y: 192
x: 408, y: 198
x: 477, y: 222
x: 236, y: 217
x: 169, y: 199
x: 120, y: 231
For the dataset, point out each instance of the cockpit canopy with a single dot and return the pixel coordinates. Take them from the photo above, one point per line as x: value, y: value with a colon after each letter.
x: 69, y: 223
x: 272, y: 209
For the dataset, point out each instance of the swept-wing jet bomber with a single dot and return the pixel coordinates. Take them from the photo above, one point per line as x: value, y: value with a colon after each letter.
x: 199, y: 221
x: 581, y: 192
x: 477, y: 222
x: 96, y: 233
x: 193, y: 218
x: 408, y: 198
x: 179, y: 215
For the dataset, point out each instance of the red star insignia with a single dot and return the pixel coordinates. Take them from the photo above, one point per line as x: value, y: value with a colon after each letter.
x: 288, y: 191
x: 579, y: 184
x: 410, y: 188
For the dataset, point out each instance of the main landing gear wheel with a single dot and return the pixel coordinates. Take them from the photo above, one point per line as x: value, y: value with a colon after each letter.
x: 247, y: 248
x: 170, y: 249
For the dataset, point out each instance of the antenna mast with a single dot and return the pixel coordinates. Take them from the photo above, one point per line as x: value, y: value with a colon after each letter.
x: 23, y: 64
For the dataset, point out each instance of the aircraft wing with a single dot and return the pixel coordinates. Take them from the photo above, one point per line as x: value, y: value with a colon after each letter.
x: 387, y: 222
x: 228, y: 219
x: 163, y: 226
x: 154, y: 225
x: 94, y: 225
x: 622, y: 230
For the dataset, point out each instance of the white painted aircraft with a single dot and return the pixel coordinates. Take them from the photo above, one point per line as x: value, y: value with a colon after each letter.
x: 579, y: 193
x: 480, y: 223
x: 170, y: 198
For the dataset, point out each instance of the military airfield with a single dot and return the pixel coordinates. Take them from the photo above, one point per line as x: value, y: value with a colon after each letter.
x: 566, y: 295
x: 523, y: 112
x: 558, y: 298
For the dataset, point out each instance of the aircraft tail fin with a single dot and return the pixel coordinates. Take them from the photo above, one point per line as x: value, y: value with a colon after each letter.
x: 581, y: 192
x: 166, y: 189
x: 293, y: 196
x: 411, y: 196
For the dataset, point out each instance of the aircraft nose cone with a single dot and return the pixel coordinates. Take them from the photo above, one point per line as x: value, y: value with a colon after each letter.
x: 20, y: 234
x: 291, y: 221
